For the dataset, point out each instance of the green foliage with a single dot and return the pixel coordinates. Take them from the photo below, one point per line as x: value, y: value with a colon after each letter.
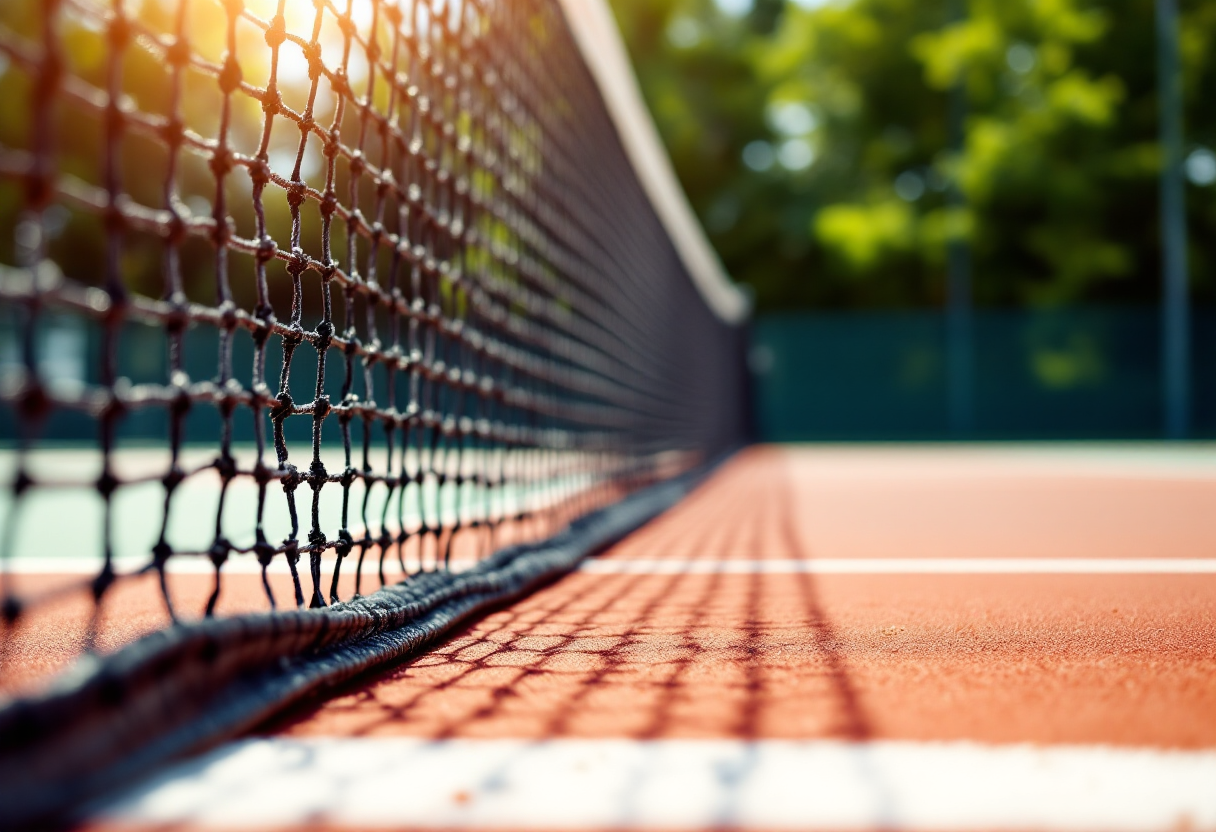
x: 1058, y: 169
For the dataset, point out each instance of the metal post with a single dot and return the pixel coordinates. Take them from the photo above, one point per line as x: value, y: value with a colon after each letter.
x: 1175, y: 313
x: 959, y: 358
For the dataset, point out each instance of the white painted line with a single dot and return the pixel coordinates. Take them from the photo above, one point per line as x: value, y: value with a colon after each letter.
x: 677, y: 784
x: 908, y: 566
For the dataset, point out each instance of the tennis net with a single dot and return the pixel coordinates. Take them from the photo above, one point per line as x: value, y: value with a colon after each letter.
x: 332, y: 286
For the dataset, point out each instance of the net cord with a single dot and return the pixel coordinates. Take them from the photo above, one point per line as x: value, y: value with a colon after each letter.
x: 599, y: 41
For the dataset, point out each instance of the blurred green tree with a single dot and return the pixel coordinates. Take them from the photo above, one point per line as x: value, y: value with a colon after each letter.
x: 812, y: 140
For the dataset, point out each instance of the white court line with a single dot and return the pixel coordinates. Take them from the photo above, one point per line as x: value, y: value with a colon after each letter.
x: 908, y: 566
x: 678, y: 784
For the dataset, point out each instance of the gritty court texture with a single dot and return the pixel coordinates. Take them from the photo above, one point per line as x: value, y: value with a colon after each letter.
x: 930, y: 638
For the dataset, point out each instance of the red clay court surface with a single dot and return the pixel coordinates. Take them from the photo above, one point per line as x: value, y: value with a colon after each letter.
x: 923, y: 638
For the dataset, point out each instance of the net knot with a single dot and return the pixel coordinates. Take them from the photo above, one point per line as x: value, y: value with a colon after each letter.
x: 177, y: 54
x: 218, y: 553
x: 312, y: 54
x: 175, y: 229
x: 291, y: 550
x: 317, y: 475
x: 276, y: 33
x: 230, y: 75
x: 228, y: 316
x: 340, y: 83
x: 329, y: 204
x: 221, y: 162
x: 182, y: 402
x: 267, y: 248
x: 263, y: 550
x: 347, y: 26
x: 107, y: 484
x: 264, y: 313
x: 284, y: 407
x: 344, y: 543
x: 262, y: 474
x: 297, y: 264
x: 161, y: 553
x: 175, y: 321
x: 259, y: 172
x: 325, y: 331
x: 263, y: 325
x: 291, y: 478
x: 272, y: 101
x: 294, y: 336
x: 297, y: 192
x: 357, y: 163
x: 318, y: 543
x: 320, y: 409
x: 225, y: 466
x: 333, y: 144
x: 173, y: 478
x: 21, y: 483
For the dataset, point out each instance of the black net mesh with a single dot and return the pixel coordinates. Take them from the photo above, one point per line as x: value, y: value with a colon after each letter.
x: 380, y: 269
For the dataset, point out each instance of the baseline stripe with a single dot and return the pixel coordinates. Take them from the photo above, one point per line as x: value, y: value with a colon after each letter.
x: 671, y: 785
x: 909, y: 566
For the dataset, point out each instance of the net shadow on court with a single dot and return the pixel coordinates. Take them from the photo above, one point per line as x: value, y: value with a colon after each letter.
x: 577, y: 650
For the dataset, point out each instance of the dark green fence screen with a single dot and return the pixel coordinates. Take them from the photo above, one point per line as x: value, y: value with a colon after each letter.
x: 1079, y: 373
